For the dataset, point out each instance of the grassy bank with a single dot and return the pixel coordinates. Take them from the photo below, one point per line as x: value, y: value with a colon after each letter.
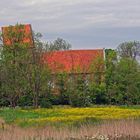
x: 60, y: 116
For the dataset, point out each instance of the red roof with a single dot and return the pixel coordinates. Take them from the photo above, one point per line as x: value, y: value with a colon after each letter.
x: 72, y: 61
x: 24, y: 38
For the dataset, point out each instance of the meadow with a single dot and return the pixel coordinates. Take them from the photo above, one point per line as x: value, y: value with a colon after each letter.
x: 67, y: 123
x: 66, y: 116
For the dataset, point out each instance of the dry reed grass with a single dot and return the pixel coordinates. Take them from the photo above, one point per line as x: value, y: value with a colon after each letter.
x: 118, y: 130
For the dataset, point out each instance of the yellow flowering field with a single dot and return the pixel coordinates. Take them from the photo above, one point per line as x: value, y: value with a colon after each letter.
x: 66, y: 116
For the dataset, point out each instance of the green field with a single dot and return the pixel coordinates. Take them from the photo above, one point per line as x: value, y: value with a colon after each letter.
x: 61, y: 116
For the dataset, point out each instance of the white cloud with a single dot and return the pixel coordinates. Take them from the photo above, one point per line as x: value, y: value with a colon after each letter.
x: 71, y: 16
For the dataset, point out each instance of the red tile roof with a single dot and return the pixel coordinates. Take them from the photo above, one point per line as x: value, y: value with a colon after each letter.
x: 72, y: 61
x: 24, y: 38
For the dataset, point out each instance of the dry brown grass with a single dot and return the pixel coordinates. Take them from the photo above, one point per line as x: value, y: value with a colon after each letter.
x: 109, y: 129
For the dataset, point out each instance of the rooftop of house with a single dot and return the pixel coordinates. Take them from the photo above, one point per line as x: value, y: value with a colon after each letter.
x: 72, y: 61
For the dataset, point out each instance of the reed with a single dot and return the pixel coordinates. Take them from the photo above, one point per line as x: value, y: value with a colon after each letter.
x: 108, y: 130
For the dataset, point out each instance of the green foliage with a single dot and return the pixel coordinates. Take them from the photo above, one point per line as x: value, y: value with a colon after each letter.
x: 79, y: 94
x: 98, y: 93
x: 25, y: 100
x: 4, y: 102
x: 13, y: 70
x: 123, y: 82
x: 80, y: 99
x: 54, y: 99
x: 61, y: 83
x: 45, y: 103
x: 128, y: 79
x: 25, y: 81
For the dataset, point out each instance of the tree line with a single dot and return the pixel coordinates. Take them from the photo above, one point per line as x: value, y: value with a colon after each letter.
x: 24, y: 81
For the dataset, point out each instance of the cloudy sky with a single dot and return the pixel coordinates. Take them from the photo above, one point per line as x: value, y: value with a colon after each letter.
x: 86, y: 24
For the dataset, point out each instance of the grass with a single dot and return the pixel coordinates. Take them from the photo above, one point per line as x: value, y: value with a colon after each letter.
x: 110, y: 122
x: 66, y: 116
x: 109, y: 130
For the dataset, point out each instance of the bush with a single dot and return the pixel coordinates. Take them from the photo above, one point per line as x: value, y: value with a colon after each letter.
x: 54, y: 99
x: 64, y: 98
x: 98, y: 93
x: 45, y: 103
x: 25, y: 100
x: 4, y: 102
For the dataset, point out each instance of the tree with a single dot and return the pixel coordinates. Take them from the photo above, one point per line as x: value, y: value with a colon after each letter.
x: 79, y: 94
x: 38, y: 76
x: 128, y: 82
x: 110, y: 72
x: 123, y: 82
x: 13, y: 65
x: 13, y: 68
x: 37, y: 36
x: 62, y: 87
x: 22, y: 69
x: 122, y: 79
x: 58, y: 44
x: 97, y: 81
x: 129, y: 49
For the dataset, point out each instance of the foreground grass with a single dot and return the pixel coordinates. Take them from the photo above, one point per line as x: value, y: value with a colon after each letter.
x: 109, y: 130
x: 66, y: 116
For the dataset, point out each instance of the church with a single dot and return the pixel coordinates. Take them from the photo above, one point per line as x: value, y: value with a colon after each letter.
x: 69, y: 61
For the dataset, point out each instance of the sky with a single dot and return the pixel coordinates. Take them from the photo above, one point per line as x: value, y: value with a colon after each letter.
x: 85, y: 24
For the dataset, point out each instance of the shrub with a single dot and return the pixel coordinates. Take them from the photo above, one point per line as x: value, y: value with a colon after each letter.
x: 45, y: 103
x: 98, y: 93
x: 4, y: 102
x: 25, y: 100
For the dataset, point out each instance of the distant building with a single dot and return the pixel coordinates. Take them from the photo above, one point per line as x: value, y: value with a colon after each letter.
x: 72, y: 61
x: 86, y: 63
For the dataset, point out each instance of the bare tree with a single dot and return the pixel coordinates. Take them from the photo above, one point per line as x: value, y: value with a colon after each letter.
x: 129, y: 49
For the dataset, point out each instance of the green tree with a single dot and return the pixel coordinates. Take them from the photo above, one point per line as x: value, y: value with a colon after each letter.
x: 110, y: 72
x: 38, y: 76
x: 13, y: 61
x: 128, y: 82
x: 122, y: 79
x: 22, y: 68
x: 62, y: 84
x: 97, y: 81
x: 13, y: 64
x: 79, y: 94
